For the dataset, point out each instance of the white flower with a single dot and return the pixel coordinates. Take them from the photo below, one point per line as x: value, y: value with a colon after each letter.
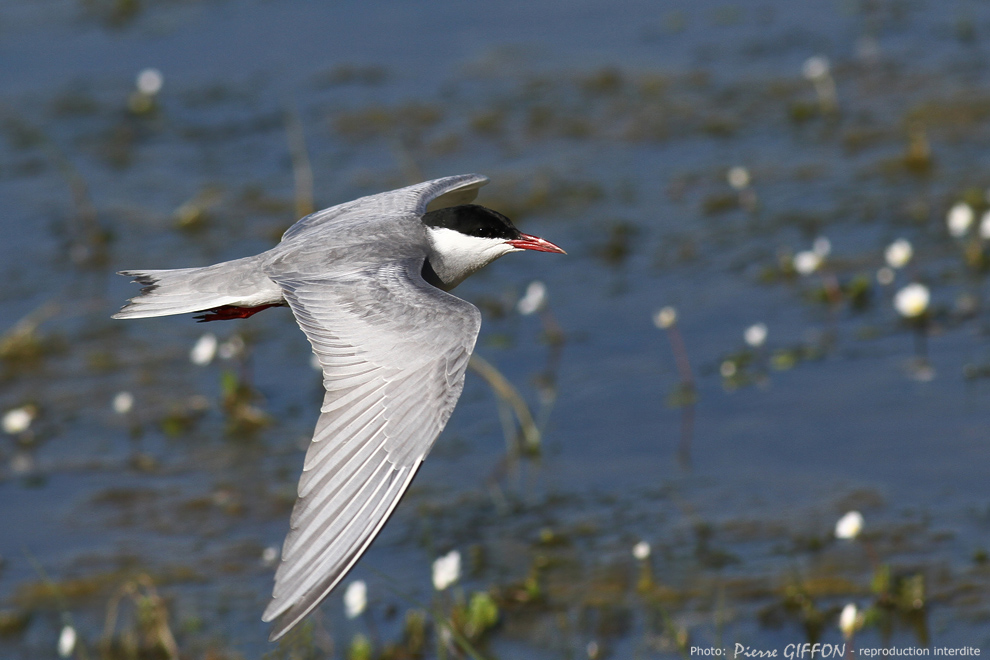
x: 149, y: 81
x: 738, y: 177
x: 807, y: 262
x: 815, y: 68
x: 822, y: 247
x: 756, y: 335
x: 534, y: 299
x: 231, y: 348
x: 355, y: 599
x: 66, y: 642
x: 204, y: 350
x: 727, y: 369
x: 885, y: 275
x: 898, y: 253
x: 985, y: 226
x: 641, y: 550
x: 850, y: 620
x: 269, y: 555
x: 912, y: 300
x: 123, y: 402
x: 665, y: 317
x: 18, y: 420
x: 446, y: 570
x: 959, y: 219
x: 849, y: 526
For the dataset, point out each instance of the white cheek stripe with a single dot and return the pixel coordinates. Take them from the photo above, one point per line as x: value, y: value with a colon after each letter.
x: 455, y: 256
x: 449, y: 242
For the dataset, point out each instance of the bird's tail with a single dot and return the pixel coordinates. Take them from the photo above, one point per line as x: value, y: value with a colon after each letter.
x: 187, y: 290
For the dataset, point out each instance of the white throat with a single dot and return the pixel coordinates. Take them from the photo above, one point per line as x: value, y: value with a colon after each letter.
x: 454, y: 256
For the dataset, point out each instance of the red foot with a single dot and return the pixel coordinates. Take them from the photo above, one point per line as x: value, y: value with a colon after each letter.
x: 228, y: 312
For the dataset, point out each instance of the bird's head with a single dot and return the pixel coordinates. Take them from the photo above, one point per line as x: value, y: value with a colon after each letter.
x: 464, y: 239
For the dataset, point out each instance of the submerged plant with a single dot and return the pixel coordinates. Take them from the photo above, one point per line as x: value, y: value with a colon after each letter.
x: 685, y: 395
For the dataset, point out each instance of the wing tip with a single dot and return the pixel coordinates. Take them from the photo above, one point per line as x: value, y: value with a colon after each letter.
x: 450, y: 191
x: 286, y: 616
x: 278, y: 629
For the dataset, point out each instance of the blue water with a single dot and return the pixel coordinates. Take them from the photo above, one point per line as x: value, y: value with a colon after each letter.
x: 854, y: 428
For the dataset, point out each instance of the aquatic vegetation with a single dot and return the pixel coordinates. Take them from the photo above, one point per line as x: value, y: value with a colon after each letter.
x: 352, y: 74
x: 756, y: 335
x: 665, y: 317
x: 237, y: 398
x: 527, y: 441
x: 898, y: 253
x: 850, y: 620
x: 115, y: 14
x: 446, y: 570
x: 818, y: 71
x: 67, y: 641
x: 534, y: 299
x: 204, y: 350
x: 143, y: 101
x: 622, y: 597
x: 355, y: 599
x: 849, y: 526
x: 959, y: 219
x: 149, y: 632
x: 717, y: 170
x: 123, y: 403
x: 18, y: 420
x: 685, y: 394
x: 738, y: 177
x: 807, y: 262
x: 23, y: 347
x: 193, y: 215
x: 409, y: 121
x: 911, y: 302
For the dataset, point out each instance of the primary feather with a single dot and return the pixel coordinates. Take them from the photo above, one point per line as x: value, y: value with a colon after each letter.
x: 393, y: 349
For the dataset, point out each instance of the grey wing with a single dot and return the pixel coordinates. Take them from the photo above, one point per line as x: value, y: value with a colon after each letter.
x: 394, y: 351
x: 415, y: 200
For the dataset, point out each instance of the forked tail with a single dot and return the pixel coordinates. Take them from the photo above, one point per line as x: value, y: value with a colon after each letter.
x: 240, y: 283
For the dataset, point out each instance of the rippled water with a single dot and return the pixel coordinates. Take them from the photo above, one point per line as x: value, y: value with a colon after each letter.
x: 608, y: 128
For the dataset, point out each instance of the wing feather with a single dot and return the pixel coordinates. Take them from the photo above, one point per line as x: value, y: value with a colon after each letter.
x: 291, y: 613
x: 394, y: 351
x: 333, y: 516
x: 413, y: 200
x: 369, y: 422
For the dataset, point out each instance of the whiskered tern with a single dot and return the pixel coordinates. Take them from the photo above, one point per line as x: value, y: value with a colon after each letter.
x: 367, y: 282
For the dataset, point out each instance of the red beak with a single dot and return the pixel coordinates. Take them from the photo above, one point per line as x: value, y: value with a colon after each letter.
x: 528, y: 242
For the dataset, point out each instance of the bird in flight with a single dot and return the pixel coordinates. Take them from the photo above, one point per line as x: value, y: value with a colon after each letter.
x: 367, y: 282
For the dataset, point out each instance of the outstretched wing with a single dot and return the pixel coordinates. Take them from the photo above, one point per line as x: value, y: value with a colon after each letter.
x: 394, y: 352
x: 412, y: 200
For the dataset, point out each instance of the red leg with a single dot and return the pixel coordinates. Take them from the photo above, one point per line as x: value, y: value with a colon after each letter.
x: 227, y: 312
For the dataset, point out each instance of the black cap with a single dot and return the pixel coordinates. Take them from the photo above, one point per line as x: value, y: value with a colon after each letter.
x: 473, y: 220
